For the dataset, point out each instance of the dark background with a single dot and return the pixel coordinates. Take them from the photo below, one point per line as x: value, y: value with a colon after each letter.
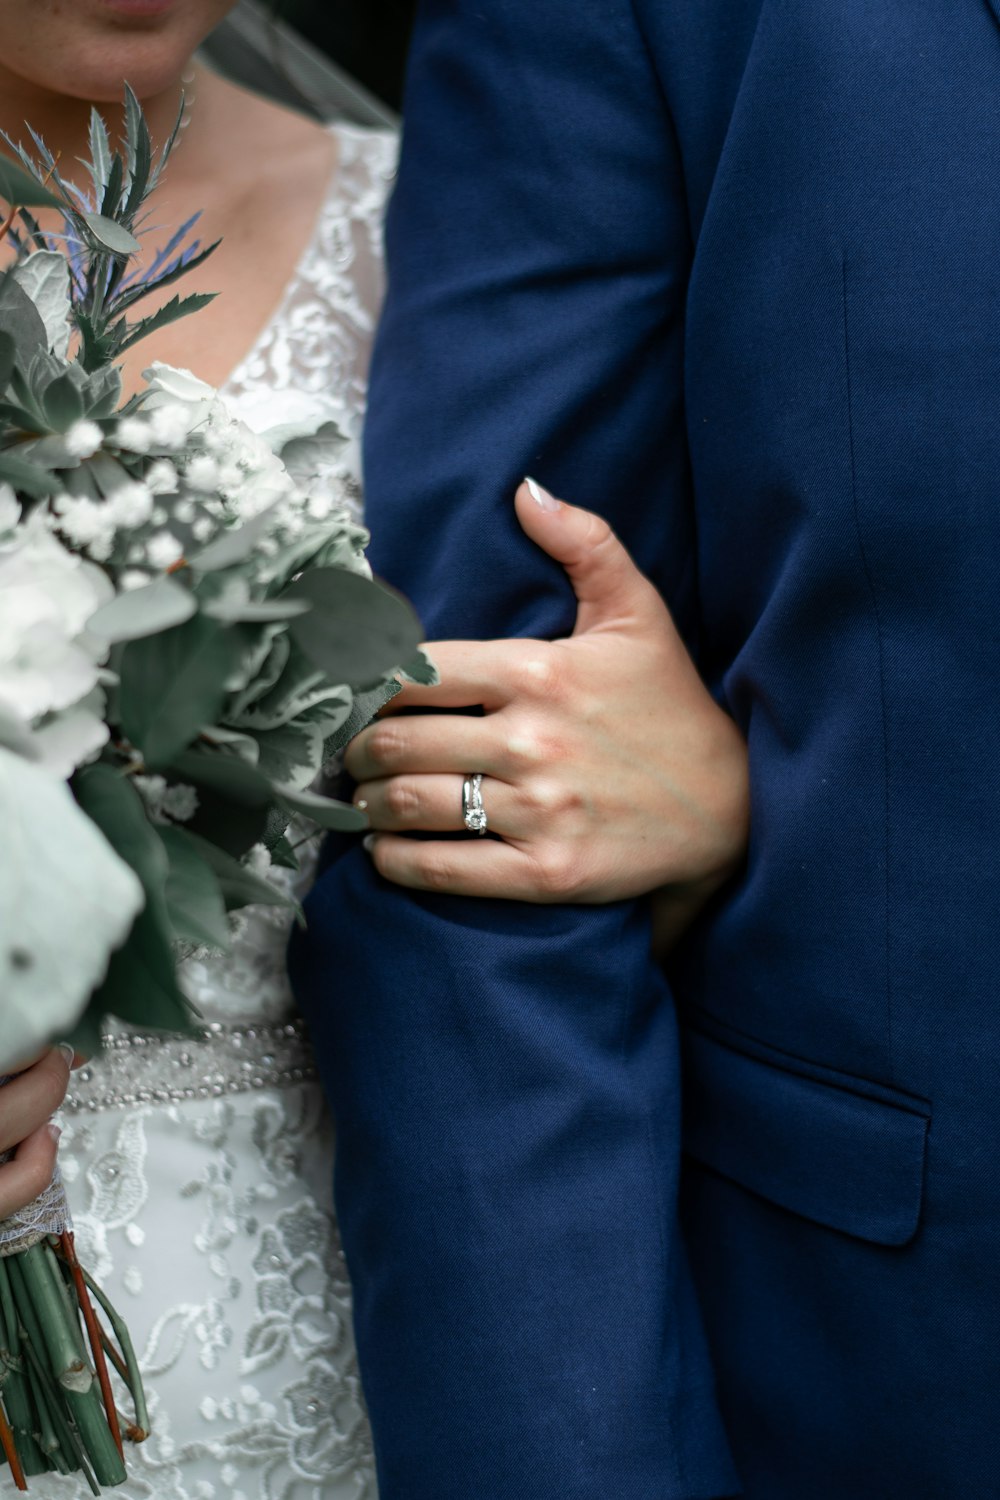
x: 366, y: 37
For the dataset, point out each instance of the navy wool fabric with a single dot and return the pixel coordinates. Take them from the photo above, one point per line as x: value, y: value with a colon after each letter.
x: 728, y: 271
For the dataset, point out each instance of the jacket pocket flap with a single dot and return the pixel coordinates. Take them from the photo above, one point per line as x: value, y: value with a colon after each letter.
x: 853, y: 1161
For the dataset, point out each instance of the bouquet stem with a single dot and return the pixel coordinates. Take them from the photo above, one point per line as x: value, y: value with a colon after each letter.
x: 57, y: 1406
x: 93, y: 1336
x: 10, y: 1452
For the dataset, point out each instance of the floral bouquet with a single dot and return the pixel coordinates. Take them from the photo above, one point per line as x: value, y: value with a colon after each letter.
x: 188, y: 632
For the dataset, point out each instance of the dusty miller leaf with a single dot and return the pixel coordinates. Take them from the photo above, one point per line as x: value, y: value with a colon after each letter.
x: 44, y: 277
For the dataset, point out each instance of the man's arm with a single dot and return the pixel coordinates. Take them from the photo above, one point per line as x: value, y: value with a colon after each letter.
x: 504, y: 1077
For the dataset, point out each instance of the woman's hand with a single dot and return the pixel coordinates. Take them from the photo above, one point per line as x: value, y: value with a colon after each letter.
x: 609, y: 770
x: 27, y: 1105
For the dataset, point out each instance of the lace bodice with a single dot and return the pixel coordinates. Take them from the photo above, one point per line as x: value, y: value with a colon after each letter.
x: 313, y: 356
x: 200, y: 1171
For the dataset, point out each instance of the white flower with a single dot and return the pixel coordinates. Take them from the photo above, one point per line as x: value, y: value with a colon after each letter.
x: 180, y: 802
x: 133, y: 578
x: 131, y: 504
x: 202, y: 473
x: 163, y: 550
x: 83, y: 439
x: 134, y: 434
x: 171, y: 426
x: 88, y: 524
x: 162, y: 477
x: 180, y: 384
x: 258, y: 860
x: 320, y: 506
x: 49, y: 665
x: 231, y: 478
x: 151, y: 790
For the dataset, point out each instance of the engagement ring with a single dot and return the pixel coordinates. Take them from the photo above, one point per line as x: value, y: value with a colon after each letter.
x: 473, y: 811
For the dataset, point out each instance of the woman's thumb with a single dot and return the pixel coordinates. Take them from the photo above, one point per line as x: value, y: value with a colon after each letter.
x: 609, y: 588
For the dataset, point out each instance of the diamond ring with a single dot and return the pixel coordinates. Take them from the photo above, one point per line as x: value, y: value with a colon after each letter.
x: 473, y: 811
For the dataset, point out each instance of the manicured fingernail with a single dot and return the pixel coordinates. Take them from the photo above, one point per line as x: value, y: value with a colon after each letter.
x: 541, y: 497
x: 68, y: 1052
x: 54, y: 1133
x: 368, y: 842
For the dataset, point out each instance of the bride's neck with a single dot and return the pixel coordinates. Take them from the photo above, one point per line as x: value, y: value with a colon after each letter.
x: 64, y: 122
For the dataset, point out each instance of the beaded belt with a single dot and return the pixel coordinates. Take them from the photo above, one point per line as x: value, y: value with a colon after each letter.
x: 147, y: 1069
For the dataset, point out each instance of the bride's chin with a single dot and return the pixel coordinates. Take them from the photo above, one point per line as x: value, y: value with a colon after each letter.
x: 88, y: 50
x: 102, y: 80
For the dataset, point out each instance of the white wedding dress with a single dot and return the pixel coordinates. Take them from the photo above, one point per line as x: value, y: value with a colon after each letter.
x: 200, y: 1173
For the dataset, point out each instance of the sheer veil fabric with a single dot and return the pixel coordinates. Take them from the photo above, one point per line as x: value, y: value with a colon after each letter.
x: 200, y: 1173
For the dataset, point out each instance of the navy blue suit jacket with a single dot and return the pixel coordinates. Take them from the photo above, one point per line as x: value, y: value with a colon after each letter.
x: 728, y: 271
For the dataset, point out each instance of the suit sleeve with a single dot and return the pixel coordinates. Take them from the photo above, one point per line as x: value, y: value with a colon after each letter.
x: 505, y: 1077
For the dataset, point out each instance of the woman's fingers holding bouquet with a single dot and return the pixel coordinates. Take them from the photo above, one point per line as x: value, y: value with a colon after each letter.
x: 27, y: 1104
x: 29, y: 1171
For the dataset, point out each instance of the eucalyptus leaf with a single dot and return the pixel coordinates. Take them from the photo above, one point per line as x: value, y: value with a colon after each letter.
x: 141, y: 985
x: 225, y: 774
x: 234, y: 799
x: 59, y: 879
x: 340, y: 816
x: 194, y: 899
x: 239, y: 886
x: 233, y: 546
x: 173, y: 683
x: 142, y: 612
x: 44, y: 276
x: 111, y: 235
x: 255, y: 612
x: 23, y: 191
x: 357, y: 630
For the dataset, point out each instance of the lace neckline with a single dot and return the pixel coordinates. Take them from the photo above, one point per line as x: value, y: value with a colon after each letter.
x: 340, y: 193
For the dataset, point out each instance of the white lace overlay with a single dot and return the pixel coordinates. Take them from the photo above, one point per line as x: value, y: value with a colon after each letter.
x: 48, y: 1214
x: 200, y: 1173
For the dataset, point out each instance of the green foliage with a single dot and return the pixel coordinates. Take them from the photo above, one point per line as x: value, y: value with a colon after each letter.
x: 142, y: 612
x: 194, y: 899
x: 141, y: 986
x: 357, y: 630
x: 173, y: 683
x: 106, y: 222
x: 22, y: 189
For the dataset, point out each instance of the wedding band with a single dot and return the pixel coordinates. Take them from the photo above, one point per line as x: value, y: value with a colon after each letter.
x: 473, y: 812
